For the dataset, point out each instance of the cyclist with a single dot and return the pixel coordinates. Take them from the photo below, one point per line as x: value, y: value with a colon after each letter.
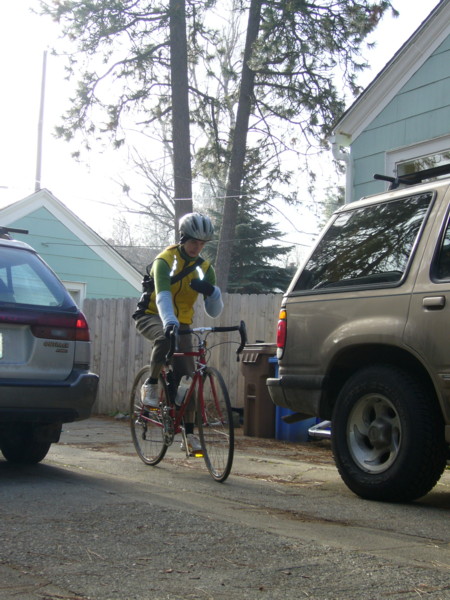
x: 172, y: 304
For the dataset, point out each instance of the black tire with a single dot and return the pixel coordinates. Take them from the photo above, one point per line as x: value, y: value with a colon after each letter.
x: 20, y: 446
x: 388, y: 436
x: 147, y: 427
x: 215, y: 425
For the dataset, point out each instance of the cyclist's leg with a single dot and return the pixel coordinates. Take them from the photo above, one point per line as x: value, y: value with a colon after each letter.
x: 184, y: 366
x: 150, y: 326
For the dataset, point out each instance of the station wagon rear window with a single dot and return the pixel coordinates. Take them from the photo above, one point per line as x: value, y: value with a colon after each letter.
x: 25, y: 279
x: 371, y: 245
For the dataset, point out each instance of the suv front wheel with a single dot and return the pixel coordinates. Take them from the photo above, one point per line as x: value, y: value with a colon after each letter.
x: 387, y: 435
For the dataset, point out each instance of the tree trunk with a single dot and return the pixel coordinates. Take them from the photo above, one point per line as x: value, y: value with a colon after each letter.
x: 180, y: 111
x: 238, y: 151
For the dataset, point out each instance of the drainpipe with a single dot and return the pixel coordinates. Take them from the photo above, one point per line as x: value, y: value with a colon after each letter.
x: 339, y: 141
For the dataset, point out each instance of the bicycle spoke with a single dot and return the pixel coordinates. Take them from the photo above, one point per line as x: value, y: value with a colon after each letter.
x: 147, y: 427
x: 215, y: 425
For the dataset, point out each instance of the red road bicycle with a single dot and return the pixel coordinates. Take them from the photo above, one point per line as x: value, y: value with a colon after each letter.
x: 153, y: 431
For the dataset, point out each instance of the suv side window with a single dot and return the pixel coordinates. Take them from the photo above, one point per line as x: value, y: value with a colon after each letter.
x: 443, y: 263
x: 371, y: 245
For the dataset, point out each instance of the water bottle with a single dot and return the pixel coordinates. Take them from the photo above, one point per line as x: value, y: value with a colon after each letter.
x: 183, y: 387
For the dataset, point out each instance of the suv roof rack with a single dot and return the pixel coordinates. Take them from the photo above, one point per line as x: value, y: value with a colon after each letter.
x: 413, y: 178
x: 5, y: 231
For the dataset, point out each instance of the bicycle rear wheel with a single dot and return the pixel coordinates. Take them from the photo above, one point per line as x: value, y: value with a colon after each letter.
x: 215, y: 425
x: 147, y: 426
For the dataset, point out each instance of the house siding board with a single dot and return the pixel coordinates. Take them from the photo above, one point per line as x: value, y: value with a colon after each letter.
x: 418, y: 128
x: 70, y: 257
x: 363, y: 182
x: 418, y: 113
x: 432, y: 71
x: 416, y: 102
x: 366, y: 167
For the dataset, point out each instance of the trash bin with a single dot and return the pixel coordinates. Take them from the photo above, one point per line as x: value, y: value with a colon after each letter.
x: 292, y: 432
x: 259, y: 410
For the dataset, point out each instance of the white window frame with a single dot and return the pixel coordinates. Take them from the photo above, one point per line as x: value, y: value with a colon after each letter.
x: 415, y: 151
x: 77, y: 289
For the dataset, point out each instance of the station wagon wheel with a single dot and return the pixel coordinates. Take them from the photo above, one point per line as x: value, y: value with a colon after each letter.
x: 19, y: 446
x: 387, y: 435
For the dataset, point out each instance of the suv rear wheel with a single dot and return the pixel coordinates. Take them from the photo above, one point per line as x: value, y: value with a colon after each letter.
x: 387, y: 435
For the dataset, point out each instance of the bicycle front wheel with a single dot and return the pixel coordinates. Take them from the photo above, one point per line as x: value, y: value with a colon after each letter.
x: 215, y: 425
x: 147, y: 426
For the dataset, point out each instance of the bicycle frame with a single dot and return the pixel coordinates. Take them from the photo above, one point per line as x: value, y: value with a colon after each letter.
x: 176, y: 413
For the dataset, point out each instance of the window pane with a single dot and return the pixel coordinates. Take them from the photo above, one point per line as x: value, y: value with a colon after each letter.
x: 443, y: 264
x: 25, y: 279
x: 366, y: 246
x: 422, y: 163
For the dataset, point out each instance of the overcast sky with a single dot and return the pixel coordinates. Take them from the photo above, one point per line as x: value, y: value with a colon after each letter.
x: 85, y: 188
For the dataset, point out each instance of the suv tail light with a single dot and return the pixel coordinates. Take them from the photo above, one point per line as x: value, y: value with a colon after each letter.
x: 281, y: 333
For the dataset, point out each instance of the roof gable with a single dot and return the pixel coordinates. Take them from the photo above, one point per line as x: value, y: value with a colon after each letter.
x: 45, y: 199
x: 396, y: 74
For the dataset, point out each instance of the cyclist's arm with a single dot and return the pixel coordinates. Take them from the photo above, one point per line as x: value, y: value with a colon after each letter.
x: 161, y: 275
x: 164, y: 302
x: 214, y: 302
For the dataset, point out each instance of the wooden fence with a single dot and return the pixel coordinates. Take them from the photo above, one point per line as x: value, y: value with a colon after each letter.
x: 118, y: 351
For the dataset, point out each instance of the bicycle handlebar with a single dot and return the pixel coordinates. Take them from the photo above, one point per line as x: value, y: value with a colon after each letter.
x: 176, y: 331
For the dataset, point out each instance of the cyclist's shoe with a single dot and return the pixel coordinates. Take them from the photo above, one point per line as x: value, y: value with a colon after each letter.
x: 193, y: 442
x: 150, y: 395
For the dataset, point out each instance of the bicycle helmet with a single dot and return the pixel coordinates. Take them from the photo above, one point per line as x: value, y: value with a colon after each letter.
x: 196, y: 226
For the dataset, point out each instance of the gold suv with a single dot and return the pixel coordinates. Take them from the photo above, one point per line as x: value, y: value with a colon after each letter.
x: 364, y: 338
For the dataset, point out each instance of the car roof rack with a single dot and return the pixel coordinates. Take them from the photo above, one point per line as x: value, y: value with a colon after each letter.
x: 413, y: 178
x: 5, y: 231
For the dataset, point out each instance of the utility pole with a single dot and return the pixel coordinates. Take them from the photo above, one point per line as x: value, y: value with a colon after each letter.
x: 37, y: 184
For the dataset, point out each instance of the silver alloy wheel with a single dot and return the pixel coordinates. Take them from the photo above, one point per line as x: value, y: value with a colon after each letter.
x: 374, y: 433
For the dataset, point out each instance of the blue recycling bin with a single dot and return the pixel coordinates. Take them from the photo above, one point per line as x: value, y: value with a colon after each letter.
x: 292, y: 432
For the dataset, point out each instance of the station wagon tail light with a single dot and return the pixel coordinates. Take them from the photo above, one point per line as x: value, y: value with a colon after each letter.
x: 57, y: 327
x: 63, y: 328
x: 281, y: 332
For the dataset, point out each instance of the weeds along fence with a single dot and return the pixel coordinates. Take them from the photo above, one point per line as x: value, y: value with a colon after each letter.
x: 118, y: 351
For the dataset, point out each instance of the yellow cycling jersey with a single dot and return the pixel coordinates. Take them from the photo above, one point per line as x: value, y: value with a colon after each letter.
x: 168, y: 263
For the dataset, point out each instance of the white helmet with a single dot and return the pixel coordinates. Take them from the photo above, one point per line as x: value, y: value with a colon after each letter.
x: 196, y: 226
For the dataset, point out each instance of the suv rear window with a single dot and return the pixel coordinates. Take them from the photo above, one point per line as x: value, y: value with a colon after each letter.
x: 25, y: 279
x: 370, y: 245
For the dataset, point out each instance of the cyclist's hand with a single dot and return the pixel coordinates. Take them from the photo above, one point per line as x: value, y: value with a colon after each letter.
x: 168, y: 329
x: 202, y: 287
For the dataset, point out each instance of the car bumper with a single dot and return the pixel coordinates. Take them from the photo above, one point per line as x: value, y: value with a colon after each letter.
x: 300, y: 394
x: 48, y: 401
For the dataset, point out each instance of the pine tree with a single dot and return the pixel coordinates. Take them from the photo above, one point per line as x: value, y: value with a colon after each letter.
x: 299, y: 58
x: 256, y: 266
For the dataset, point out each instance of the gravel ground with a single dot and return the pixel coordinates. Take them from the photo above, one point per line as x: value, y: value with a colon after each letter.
x: 79, y: 528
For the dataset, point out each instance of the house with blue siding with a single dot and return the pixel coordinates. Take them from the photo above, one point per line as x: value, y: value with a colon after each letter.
x: 401, y: 122
x: 88, y: 266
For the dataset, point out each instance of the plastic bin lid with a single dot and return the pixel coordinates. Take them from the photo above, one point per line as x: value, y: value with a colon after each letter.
x: 252, y: 352
x: 262, y: 347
